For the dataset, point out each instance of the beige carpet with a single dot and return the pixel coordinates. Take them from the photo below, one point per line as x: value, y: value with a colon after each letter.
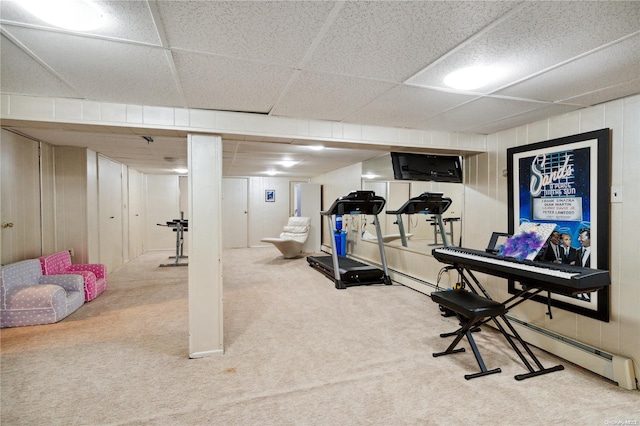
x: 298, y: 352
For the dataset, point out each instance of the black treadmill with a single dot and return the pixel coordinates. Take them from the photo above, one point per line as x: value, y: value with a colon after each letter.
x: 432, y: 203
x: 347, y: 272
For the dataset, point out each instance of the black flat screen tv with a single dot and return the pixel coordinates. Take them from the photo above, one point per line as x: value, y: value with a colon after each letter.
x: 438, y: 168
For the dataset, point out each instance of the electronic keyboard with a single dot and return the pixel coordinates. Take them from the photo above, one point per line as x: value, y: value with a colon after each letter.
x: 556, y: 278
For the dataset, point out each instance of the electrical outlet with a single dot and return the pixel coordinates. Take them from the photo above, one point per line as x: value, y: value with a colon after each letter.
x: 70, y: 252
x: 616, y: 194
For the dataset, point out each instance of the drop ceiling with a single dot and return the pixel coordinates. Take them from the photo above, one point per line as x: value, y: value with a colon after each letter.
x: 375, y: 63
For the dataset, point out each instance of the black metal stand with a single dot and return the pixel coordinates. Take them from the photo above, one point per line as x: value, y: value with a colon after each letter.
x: 467, y: 328
x: 180, y: 226
x: 513, y: 338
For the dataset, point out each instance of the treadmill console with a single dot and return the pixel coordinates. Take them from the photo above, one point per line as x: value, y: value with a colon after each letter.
x: 430, y: 202
x: 364, y: 202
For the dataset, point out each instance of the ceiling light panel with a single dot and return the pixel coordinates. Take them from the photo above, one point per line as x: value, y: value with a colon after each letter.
x: 74, y: 15
x: 127, y: 20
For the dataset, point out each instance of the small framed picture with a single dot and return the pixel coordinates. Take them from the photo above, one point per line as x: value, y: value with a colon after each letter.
x: 270, y: 195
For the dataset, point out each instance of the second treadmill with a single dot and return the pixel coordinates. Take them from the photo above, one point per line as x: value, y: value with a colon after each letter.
x: 429, y: 203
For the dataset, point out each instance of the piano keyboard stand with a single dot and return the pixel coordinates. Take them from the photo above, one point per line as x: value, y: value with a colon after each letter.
x: 470, y: 309
x: 535, y: 277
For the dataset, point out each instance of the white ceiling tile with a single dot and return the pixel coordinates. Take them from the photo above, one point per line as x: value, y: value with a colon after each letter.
x: 471, y: 114
x: 21, y: 74
x: 605, y: 68
x: 526, y: 117
x: 607, y: 94
x: 211, y: 82
x: 328, y: 97
x: 268, y: 31
x: 540, y: 35
x: 393, y: 40
x: 106, y: 70
x: 406, y: 106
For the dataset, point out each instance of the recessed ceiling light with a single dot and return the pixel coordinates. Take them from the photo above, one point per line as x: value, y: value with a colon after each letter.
x: 287, y: 163
x: 316, y: 147
x: 472, y: 77
x: 75, y: 15
x: 271, y: 172
x: 369, y: 176
x: 182, y: 171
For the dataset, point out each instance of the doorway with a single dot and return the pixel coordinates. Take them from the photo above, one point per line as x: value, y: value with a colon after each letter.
x: 234, y: 213
x: 110, y: 212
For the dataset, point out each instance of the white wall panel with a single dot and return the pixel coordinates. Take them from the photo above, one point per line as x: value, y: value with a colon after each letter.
x: 48, y: 194
x: 266, y: 219
x: 45, y: 109
x: 627, y: 277
x: 183, y: 188
x: 162, y: 205
x: 334, y: 185
x: 91, y: 217
x: 71, y: 202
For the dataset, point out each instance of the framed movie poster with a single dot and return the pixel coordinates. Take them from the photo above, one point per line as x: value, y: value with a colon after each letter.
x: 566, y: 182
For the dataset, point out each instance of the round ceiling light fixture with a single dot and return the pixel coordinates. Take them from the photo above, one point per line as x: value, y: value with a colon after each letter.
x: 75, y: 15
x: 288, y: 163
x: 471, y: 78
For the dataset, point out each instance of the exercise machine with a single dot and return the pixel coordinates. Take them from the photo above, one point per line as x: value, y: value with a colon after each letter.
x: 346, y: 272
x: 179, y: 226
x: 432, y: 203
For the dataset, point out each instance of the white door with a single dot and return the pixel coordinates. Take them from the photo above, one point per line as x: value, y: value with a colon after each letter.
x: 136, y: 213
x: 20, y: 199
x: 234, y: 213
x: 110, y: 212
x: 294, y: 202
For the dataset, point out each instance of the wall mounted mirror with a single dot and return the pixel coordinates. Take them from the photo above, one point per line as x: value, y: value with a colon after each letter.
x: 377, y: 175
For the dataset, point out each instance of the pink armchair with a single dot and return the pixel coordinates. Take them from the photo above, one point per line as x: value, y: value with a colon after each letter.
x: 94, y: 274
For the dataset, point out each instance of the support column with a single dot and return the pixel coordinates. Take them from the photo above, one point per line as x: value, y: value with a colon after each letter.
x: 205, y: 245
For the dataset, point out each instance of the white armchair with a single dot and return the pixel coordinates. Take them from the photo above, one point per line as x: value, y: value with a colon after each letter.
x: 292, y: 238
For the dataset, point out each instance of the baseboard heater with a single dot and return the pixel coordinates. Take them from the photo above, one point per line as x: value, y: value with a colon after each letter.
x: 616, y: 368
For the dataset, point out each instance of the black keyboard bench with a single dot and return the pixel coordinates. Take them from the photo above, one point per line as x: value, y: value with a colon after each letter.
x: 470, y: 309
